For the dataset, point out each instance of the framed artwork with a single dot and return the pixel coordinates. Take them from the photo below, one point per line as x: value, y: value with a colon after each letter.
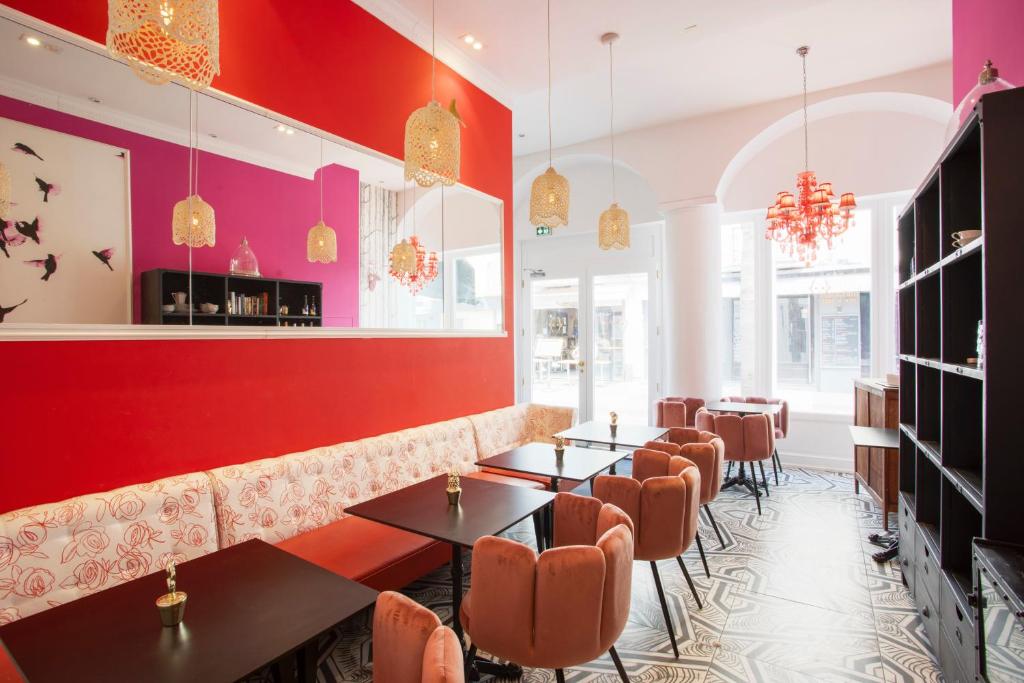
x: 65, y: 243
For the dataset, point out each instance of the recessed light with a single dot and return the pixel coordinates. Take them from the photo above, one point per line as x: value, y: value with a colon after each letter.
x: 469, y: 39
x: 290, y: 131
x: 213, y: 135
x: 32, y: 40
x: 478, y: 45
x: 94, y: 100
x: 522, y: 135
x: 690, y: 27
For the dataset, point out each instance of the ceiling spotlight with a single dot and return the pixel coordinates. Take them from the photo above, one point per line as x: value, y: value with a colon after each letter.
x: 469, y: 39
x: 281, y: 128
x: 290, y: 131
x: 32, y: 40
x: 478, y: 45
x: 94, y: 100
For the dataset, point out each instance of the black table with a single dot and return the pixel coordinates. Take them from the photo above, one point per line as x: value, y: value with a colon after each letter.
x: 743, y: 408
x: 746, y: 409
x: 486, y: 509
x: 248, y: 606
x: 629, y: 436
x: 888, y: 439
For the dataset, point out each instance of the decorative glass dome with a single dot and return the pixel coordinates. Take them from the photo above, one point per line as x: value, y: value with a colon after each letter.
x: 243, y: 261
x: 988, y: 82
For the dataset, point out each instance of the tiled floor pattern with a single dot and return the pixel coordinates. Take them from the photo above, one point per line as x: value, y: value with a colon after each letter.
x: 794, y: 596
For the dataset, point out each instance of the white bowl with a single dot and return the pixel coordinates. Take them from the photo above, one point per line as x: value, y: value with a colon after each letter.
x: 167, y: 308
x: 209, y: 308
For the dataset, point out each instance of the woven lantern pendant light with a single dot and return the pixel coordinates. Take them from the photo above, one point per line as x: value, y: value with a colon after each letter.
x: 549, y: 194
x: 164, y: 40
x: 613, y: 226
x: 193, y: 221
x: 432, y: 136
x: 321, y: 240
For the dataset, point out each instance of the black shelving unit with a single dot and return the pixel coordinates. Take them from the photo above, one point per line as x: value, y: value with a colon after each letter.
x: 212, y: 288
x: 961, y: 466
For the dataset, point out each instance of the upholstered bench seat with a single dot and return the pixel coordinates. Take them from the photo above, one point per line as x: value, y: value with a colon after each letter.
x: 373, y: 554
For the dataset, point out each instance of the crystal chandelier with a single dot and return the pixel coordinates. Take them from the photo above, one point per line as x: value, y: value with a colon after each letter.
x: 549, y: 195
x: 613, y: 226
x: 432, y: 136
x: 165, y: 40
x: 412, y: 265
x: 321, y: 240
x: 802, y: 223
x: 193, y: 221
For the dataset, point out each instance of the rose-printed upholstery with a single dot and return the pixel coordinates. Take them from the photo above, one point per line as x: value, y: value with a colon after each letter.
x: 277, y: 498
x: 55, y: 553
x: 503, y: 429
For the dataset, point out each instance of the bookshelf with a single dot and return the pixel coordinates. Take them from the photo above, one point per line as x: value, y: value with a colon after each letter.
x: 271, y: 294
x: 961, y: 469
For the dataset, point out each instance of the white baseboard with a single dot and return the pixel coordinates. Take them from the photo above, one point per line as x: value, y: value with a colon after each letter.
x: 816, y: 461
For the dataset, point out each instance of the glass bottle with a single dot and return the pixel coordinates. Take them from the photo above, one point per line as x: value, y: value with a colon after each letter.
x: 305, y: 304
x: 312, y: 308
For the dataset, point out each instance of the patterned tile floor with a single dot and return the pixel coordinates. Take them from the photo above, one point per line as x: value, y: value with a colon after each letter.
x: 794, y: 596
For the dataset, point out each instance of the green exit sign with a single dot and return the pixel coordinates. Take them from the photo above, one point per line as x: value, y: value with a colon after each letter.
x: 543, y: 230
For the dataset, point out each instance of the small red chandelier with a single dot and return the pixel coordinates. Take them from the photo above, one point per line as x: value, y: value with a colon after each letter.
x: 811, y: 218
x: 412, y: 265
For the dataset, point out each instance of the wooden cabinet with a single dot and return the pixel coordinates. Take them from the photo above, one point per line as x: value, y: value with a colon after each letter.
x: 877, y: 405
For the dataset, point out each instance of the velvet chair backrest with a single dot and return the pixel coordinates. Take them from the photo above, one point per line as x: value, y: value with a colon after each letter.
x: 410, y: 644
x: 729, y: 428
x: 562, y: 608
x: 692, y: 405
x: 705, y: 449
x: 780, y: 419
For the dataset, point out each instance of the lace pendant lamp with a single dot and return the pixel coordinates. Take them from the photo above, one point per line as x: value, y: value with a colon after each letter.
x: 549, y: 194
x: 432, y: 137
x: 321, y: 240
x: 193, y: 221
x: 403, y: 259
x: 5, y: 191
x: 613, y: 226
x: 164, y: 40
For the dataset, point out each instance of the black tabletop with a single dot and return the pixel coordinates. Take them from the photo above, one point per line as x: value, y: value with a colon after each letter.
x: 875, y: 437
x: 630, y: 436
x: 539, y: 459
x: 248, y: 605
x: 485, y: 509
x: 746, y: 408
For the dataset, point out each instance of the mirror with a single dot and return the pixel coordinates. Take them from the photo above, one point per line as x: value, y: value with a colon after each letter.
x: 99, y: 159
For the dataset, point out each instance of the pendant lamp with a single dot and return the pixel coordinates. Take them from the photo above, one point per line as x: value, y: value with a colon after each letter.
x: 432, y: 136
x: 193, y: 221
x: 164, y: 40
x: 321, y: 240
x: 549, y: 194
x: 613, y: 226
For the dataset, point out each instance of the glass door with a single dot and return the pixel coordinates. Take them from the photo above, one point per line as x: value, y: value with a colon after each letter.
x: 556, y: 365
x: 619, y: 374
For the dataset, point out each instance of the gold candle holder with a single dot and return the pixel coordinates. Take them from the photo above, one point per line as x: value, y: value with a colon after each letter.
x: 172, y: 604
x: 614, y: 422
x: 454, y: 489
x: 559, y: 449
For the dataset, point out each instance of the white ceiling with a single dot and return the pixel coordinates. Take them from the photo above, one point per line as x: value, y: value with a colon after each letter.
x: 739, y: 53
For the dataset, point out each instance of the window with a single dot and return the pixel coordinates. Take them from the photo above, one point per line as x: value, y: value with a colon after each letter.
x: 733, y: 242
x: 477, y: 289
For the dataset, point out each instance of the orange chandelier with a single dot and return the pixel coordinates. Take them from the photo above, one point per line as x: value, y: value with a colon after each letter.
x: 811, y: 218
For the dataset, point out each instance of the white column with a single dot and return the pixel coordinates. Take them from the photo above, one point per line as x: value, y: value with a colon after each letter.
x: 693, y: 298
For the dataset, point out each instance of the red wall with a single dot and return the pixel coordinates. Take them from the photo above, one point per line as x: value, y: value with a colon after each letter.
x: 987, y: 29
x: 86, y: 416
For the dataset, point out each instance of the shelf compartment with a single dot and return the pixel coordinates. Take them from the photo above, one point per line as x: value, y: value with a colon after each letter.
x: 908, y: 464
x: 961, y: 308
x: 960, y: 523
x: 967, y: 483
x: 906, y: 310
x: 928, y: 491
x: 906, y: 240
x: 908, y: 395
x: 926, y: 223
x: 962, y: 420
x: 929, y: 404
x: 928, y: 313
x: 961, y: 188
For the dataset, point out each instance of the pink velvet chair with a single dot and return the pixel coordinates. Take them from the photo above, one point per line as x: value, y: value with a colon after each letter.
x: 410, y: 644
x: 747, y: 439
x: 562, y: 608
x: 781, y: 424
x: 662, y: 498
x: 677, y: 411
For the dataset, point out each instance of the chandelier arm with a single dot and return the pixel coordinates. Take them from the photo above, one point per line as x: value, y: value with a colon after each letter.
x: 611, y: 113
x: 549, y: 84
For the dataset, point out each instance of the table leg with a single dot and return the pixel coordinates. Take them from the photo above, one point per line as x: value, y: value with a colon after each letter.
x: 611, y: 470
x: 457, y: 590
x: 549, y: 512
x: 306, y: 661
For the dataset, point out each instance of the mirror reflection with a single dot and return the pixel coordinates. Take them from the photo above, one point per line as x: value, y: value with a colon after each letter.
x: 306, y: 231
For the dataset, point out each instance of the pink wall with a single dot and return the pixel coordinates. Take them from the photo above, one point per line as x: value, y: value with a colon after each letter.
x: 987, y: 29
x: 272, y: 209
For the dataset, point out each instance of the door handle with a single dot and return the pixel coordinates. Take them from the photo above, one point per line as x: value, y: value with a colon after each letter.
x: 582, y: 365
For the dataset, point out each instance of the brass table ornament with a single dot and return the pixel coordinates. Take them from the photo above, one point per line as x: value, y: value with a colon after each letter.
x: 172, y: 603
x: 614, y: 417
x: 559, y: 449
x: 454, y: 488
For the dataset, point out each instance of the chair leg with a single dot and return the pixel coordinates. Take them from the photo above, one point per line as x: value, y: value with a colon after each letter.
x: 776, y: 465
x: 559, y: 676
x: 728, y: 470
x: 689, y: 581
x: 703, y: 559
x: 538, y: 529
x: 714, y: 525
x: 664, y: 608
x: 757, y: 493
x: 470, y: 660
x: 760, y: 463
x: 618, y: 665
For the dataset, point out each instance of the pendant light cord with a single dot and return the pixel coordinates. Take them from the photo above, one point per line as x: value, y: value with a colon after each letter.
x: 807, y: 163
x: 611, y: 113
x: 549, y: 84
x: 321, y: 180
x: 433, y: 47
